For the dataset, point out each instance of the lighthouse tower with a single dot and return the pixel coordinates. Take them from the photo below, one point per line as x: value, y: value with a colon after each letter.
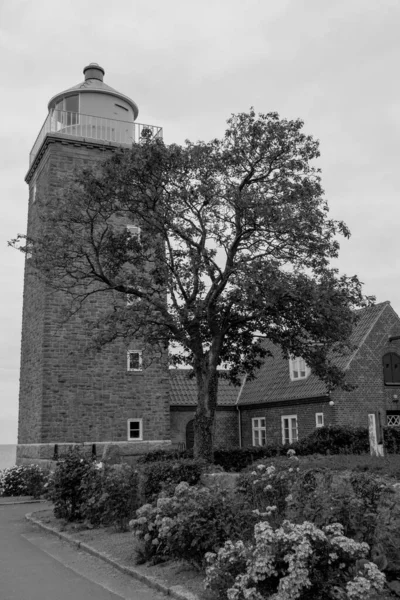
x: 69, y: 396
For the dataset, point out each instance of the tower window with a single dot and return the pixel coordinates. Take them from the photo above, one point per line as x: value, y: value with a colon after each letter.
x: 135, y: 429
x: 134, y: 360
x: 391, y: 368
x: 298, y: 368
x: 71, y: 103
x: 67, y: 111
x: 134, y: 231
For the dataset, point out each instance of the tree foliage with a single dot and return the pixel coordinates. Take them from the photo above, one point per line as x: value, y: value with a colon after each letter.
x: 235, y: 246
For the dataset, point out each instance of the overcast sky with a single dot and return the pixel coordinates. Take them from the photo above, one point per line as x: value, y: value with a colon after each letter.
x: 189, y: 64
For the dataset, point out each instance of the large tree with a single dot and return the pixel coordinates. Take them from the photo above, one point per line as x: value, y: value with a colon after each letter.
x: 235, y: 246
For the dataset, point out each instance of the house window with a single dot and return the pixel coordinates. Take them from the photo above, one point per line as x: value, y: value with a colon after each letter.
x: 135, y: 429
x: 259, y: 432
x: 298, y: 368
x: 319, y: 419
x: 393, y: 418
x: 289, y: 429
x: 391, y: 369
x: 134, y: 360
x: 134, y: 231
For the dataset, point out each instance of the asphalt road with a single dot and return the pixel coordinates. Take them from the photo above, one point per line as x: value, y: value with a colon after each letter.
x: 35, y: 565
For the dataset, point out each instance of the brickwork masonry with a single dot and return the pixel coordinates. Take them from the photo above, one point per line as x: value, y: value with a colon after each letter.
x: 68, y: 394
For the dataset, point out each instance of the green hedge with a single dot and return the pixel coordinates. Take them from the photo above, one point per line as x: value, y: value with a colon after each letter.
x: 334, y: 440
x: 324, y: 440
x: 155, y: 477
x: 162, y: 455
x: 391, y: 436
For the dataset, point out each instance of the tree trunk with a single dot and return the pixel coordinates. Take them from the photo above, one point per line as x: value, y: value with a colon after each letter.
x: 204, y: 422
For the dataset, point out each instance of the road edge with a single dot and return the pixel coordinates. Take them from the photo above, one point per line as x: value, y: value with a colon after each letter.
x: 178, y: 592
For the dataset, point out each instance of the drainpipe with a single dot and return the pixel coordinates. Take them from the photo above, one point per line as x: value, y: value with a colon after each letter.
x: 238, y: 410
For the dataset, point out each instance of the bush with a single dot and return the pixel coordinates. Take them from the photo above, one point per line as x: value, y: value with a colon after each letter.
x: 25, y: 480
x: 66, y: 490
x: 269, y: 486
x: 111, y: 495
x: 237, y: 459
x: 324, y: 440
x: 294, y: 562
x: 391, y: 436
x: 323, y: 497
x: 192, y: 521
x: 160, y: 454
x: 334, y: 440
x: 166, y: 474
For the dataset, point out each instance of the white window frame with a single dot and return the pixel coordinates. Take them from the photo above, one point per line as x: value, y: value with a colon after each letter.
x: 290, y: 439
x: 393, y: 420
x: 297, y: 366
x: 134, y: 231
x: 128, y: 366
x: 319, y: 419
x: 135, y: 439
x: 257, y: 430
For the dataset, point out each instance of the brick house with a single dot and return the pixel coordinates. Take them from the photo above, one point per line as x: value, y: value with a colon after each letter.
x: 183, y: 401
x: 287, y: 402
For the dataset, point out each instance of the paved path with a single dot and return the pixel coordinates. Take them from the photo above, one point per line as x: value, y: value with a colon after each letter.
x: 35, y: 565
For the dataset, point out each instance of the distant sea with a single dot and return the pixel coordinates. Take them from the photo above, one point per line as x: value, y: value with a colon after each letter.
x: 7, y: 455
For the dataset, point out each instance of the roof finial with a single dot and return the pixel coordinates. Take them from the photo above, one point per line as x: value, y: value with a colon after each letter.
x: 93, y: 71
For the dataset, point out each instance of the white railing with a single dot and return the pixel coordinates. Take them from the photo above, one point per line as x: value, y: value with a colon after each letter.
x: 93, y: 128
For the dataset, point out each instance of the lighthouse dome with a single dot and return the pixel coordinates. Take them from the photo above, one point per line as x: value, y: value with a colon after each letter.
x: 96, y: 98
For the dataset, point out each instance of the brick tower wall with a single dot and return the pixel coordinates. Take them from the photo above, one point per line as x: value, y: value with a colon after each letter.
x: 67, y: 394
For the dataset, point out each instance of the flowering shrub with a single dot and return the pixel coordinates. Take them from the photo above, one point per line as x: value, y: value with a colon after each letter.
x: 25, y: 480
x: 294, y: 562
x: 110, y: 494
x: 270, y: 486
x: 191, y: 522
x: 322, y: 497
x: 66, y: 490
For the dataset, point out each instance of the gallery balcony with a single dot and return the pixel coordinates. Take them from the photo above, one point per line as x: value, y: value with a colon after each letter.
x: 92, y: 128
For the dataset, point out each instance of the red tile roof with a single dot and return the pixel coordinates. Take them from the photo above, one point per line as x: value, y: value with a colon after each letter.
x: 273, y: 381
x: 184, y: 390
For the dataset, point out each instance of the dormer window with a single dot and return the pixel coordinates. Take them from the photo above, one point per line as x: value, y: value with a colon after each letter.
x: 298, y: 368
x: 391, y: 369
